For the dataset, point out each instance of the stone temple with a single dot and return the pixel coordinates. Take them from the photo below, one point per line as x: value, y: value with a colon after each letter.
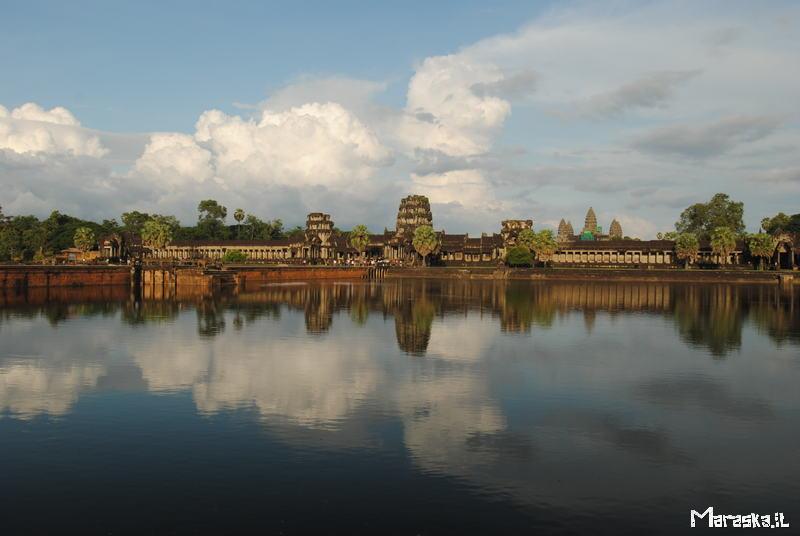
x: 322, y: 244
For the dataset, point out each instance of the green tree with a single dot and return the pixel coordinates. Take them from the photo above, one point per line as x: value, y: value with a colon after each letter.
x: 527, y: 238
x: 84, y: 238
x: 723, y: 242
x: 134, y: 220
x: 238, y: 215
x: 209, y: 209
x: 519, y: 256
x: 359, y: 238
x: 775, y: 224
x: 425, y: 241
x: 703, y: 218
x: 669, y: 235
x: 234, y: 255
x: 544, y: 245
x: 687, y: 247
x: 156, y: 234
x: 781, y: 223
x: 762, y: 246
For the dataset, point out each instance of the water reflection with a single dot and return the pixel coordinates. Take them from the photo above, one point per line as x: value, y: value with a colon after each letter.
x: 547, y: 393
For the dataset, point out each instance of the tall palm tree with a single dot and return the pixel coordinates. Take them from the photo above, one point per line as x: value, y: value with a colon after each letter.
x: 687, y: 248
x: 359, y: 238
x: 723, y: 242
x: 238, y: 215
x: 425, y: 241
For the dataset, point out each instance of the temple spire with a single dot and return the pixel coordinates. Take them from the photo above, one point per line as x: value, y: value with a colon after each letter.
x: 615, y: 231
x: 591, y: 222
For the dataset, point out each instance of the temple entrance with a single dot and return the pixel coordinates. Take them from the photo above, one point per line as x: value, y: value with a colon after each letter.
x: 785, y: 256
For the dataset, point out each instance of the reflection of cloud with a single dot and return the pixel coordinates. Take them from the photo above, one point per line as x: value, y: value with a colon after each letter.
x: 28, y: 388
x: 444, y: 419
x: 172, y: 368
x: 312, y: 388
x: 699, y: 392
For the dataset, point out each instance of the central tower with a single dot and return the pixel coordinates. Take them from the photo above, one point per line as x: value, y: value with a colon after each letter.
x: 414, y: 211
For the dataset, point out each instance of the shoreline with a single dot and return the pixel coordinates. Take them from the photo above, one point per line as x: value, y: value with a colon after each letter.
x: 17, y: 277
x: 600, y: 274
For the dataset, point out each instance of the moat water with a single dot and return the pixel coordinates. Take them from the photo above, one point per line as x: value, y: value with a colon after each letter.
x: 411, y: 407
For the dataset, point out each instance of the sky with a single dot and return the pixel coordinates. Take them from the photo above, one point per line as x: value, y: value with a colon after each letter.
x: 494, y: 110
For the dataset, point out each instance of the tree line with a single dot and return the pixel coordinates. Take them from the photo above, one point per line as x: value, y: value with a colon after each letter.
x: 718, y: 222
x: 27, y: 238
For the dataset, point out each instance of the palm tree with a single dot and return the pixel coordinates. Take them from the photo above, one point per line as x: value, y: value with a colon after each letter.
x: 527, y: 238
x: 238, y: 215
x: 359, y: 238
x: 545, y: 245
x: 762, y: 246
x: 425, y: 241
x: 156, y: 234
x: 687, y: 247
x: 84, y: 238
x: 723, y: 242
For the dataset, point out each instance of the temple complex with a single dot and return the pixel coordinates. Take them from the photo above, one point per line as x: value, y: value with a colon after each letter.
x: 322, y: 244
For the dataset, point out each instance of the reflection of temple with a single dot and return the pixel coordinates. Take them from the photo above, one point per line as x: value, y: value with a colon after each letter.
x: 710, y: 316
x: 321, y: 243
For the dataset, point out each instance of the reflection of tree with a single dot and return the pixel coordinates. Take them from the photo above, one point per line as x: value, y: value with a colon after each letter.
x: 774, y: 312
x: 359, y: 311
x: 210, y: 317
x: 710, y: 316
x: 412, y: 324
x: 141, y: 312
x: 524, y: 306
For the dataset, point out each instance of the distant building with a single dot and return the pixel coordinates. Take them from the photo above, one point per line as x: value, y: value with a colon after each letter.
x: 321, y: 244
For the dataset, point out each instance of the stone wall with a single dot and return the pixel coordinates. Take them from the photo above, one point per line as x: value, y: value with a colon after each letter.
x: 287, y: 273
x: 589, y: 274
x: 22, y: 277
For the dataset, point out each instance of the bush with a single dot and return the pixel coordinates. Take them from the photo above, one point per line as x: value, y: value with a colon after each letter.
x: 519, y: 256
x: 234, y: 256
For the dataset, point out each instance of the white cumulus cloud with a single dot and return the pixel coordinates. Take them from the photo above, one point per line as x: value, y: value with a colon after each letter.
x: 32, y: 129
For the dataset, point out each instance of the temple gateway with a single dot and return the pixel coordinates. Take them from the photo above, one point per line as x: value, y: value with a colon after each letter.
x: 321, y: 244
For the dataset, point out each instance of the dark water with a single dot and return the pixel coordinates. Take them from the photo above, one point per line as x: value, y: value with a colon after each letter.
x: 403, y: 407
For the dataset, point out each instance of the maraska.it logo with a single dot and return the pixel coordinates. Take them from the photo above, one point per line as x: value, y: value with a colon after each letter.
x: 747, y: 521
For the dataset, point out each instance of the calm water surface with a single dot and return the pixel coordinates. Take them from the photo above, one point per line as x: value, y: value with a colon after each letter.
x: 398, y: 407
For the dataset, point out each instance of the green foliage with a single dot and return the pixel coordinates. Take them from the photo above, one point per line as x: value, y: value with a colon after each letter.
x: 702, y: 218
x: 84, y: 238
x: 210, y: 210
x: 256, y: 229
x: 519, y: 256
x: 134, y: 220
x: 687, y: 247
x: 544, y: 245
x: 669, y: 235
x: 723, y: 242
x: 296, y: 233
x: 762, y: 246
x: 781, y: 223
x: 526, y: 238
x: 156, y: 233
x: 238, y: 215
x: 234, y: 256
x: 359, y: 238
x: 425, y: 241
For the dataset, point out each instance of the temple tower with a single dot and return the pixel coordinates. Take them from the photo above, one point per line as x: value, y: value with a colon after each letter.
x: 319, y: 228
x: 591, y: 223
x: 511, y: 229
x: 414, y: 211
x: 565, y: 231
x: 615, y: 231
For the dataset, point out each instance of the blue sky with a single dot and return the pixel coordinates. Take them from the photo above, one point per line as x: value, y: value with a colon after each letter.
x: 143, y: 66
x: 492, y: 109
